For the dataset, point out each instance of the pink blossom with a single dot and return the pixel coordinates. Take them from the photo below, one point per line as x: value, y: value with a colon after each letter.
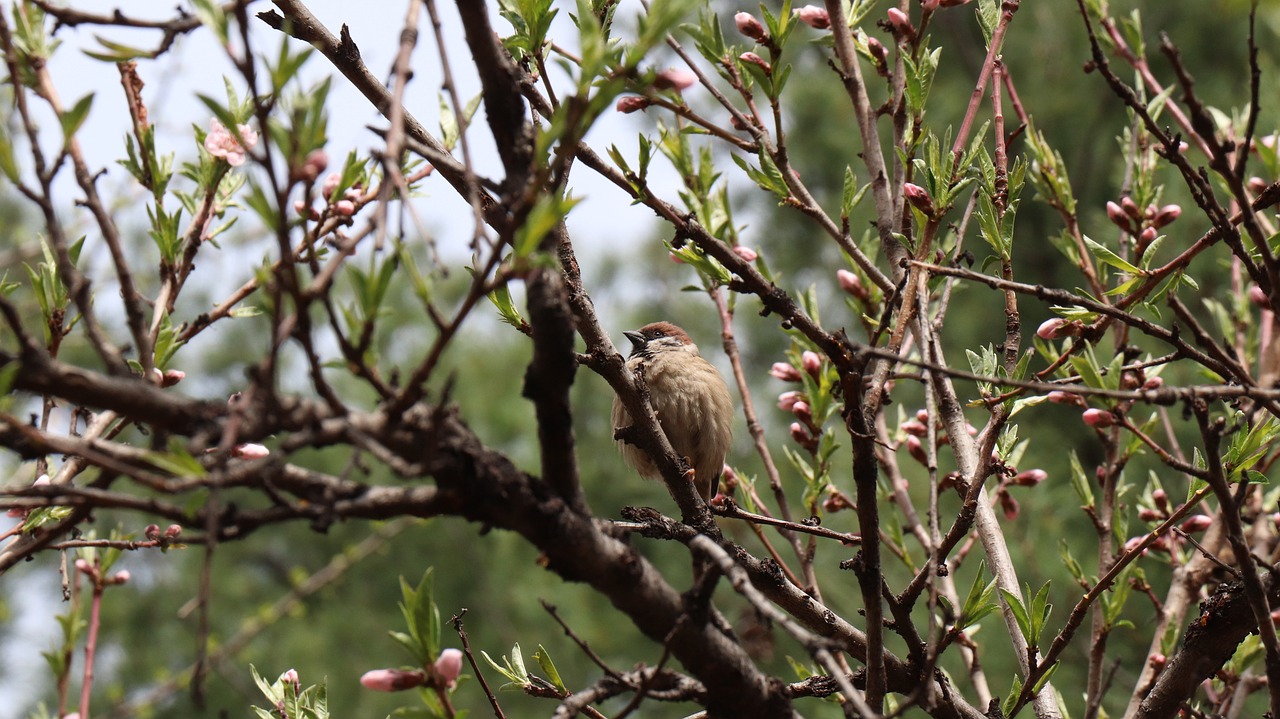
x: 749, y: 26
x: 1059, y: 397
x: 1165, y: 215
x: 753, y: 59
x: 811, y: 362
x: 448, y: 666
x: 850, y: 283
x: 1258, y: 297
x: 631, y: 103
x: 250, y: 451
x: 1197, y: 523
x: 1098, y: 418
x: 915, y: 448
x: 1057, y: 328
x: 802, y: 410
x: 316, y: 162
x: 220, y: 142
x: 901, y: 23
x: 814, y: 16
x: 1030, y: 477
x: 331, y: 182
x: 918, y: 197
x: 674, y: 79
x: 799, y: 434
x: 784, y: 372
x: 291, y: 677
x: 746, y: 253
x: 914, y: 427
x: 392, y: 680
x: 787, y: 400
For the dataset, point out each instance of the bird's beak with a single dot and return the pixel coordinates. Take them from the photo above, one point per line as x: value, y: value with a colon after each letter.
x: 637, y: 340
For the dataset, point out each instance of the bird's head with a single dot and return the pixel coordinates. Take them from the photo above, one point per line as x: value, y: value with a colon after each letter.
x: 659, y: 337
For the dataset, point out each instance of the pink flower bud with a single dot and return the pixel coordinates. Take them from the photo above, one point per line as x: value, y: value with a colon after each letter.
x: 914, y: 427
x: 1256, y: 185
x: 1153, y: 383
x: 330, y: 184
x: 152, y: 532
x: 814, y: 16
x: 1161, y: 498
x: 1145, y: 239
x: 1116, y: 214
x: 1057, y: 328
x: 1133, y: 544
x: 1030, y: 477
x: 1148, y: 514
x: 1130, y: 208
x: 799, y: 434
x: 929, y: 5
x: 1157, y: 661
x: 834, y: 503
x: 631, y: 103
x: 811, y: 362
x: 317, y: 161
x: 345, y: 208
x: 448, y: 666
x: 802, y: 410
x: 749, y: 26
x: 120, y: 577
x: 674, y: 79
x: 915, y: 448
x: 172, y: 530
x: 922, y: 415
x: 788, y: 400
x: 915, y: 194
x: 746, y: 253
x: 850, y: 283
x: 784, y: 372
x: 901, y: 24
x: 1258, y: 297
x: 1098, y: 418
x: 1165, y: 215
x: 84, y: 566
x: 753, y: 59
x: 878, y: 51
x: 392, y: 680
x: 1009, y: 505
x: 676, y: 258
x: 1197, y: 523
x: 250, y: 451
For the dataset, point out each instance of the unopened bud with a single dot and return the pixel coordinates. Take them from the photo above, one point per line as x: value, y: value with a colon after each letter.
x: 1071, y: 398
x: 753, y: 59
x: 784, y: 372
x: 850, y: 283
x: 1161, y: 498
x: 1256, y: 185
x: 749, y: 26
x: 1132, y: 545
x: 746, y: 253
x: 330, y: 184
x: 878, y: 52
x: 448, y: 666
x: 1130, y: 208
x: 1057, y: 328
x: 1197, y: 523
x: 915, y: 428
x: 1116, y: 214
x: 915, y: 448
x: 1258, y: 297
x: 814, y: 16
x: 674, y: 79
x: 901, y: 24
x: 344, y: 208
x: 152, y: 532
x: 1147, y: 514
x: 799, y: 434
x: 811, y: 362
x: 922, y: 415
x: 250, y: 451
x: 392, y: 680
x: 803, y: 411
x: 788, y: 400
x: 1098, y: 418
x: 1145, y: 239
x: 119, y: 577
x: 1165, y: 215
x: 1030, y: 477
x: 172, y: 530
x: 1009, y: 505
x: 917, y: 195
x: 1153, y: 382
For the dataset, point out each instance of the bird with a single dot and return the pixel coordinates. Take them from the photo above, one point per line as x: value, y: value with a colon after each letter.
x: 690, y: 398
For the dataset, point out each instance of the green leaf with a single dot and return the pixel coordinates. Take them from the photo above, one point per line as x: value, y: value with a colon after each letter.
x: 1107, y: 257
x: 73, y: 118
x: 549, y: 667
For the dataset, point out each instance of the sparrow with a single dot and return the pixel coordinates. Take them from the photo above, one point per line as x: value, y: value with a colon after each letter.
x: 691, y: 401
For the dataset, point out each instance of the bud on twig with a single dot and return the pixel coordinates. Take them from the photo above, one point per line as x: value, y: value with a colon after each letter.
x: 814, y: 16
x: 1098, y: 418
x: 749, y: 26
